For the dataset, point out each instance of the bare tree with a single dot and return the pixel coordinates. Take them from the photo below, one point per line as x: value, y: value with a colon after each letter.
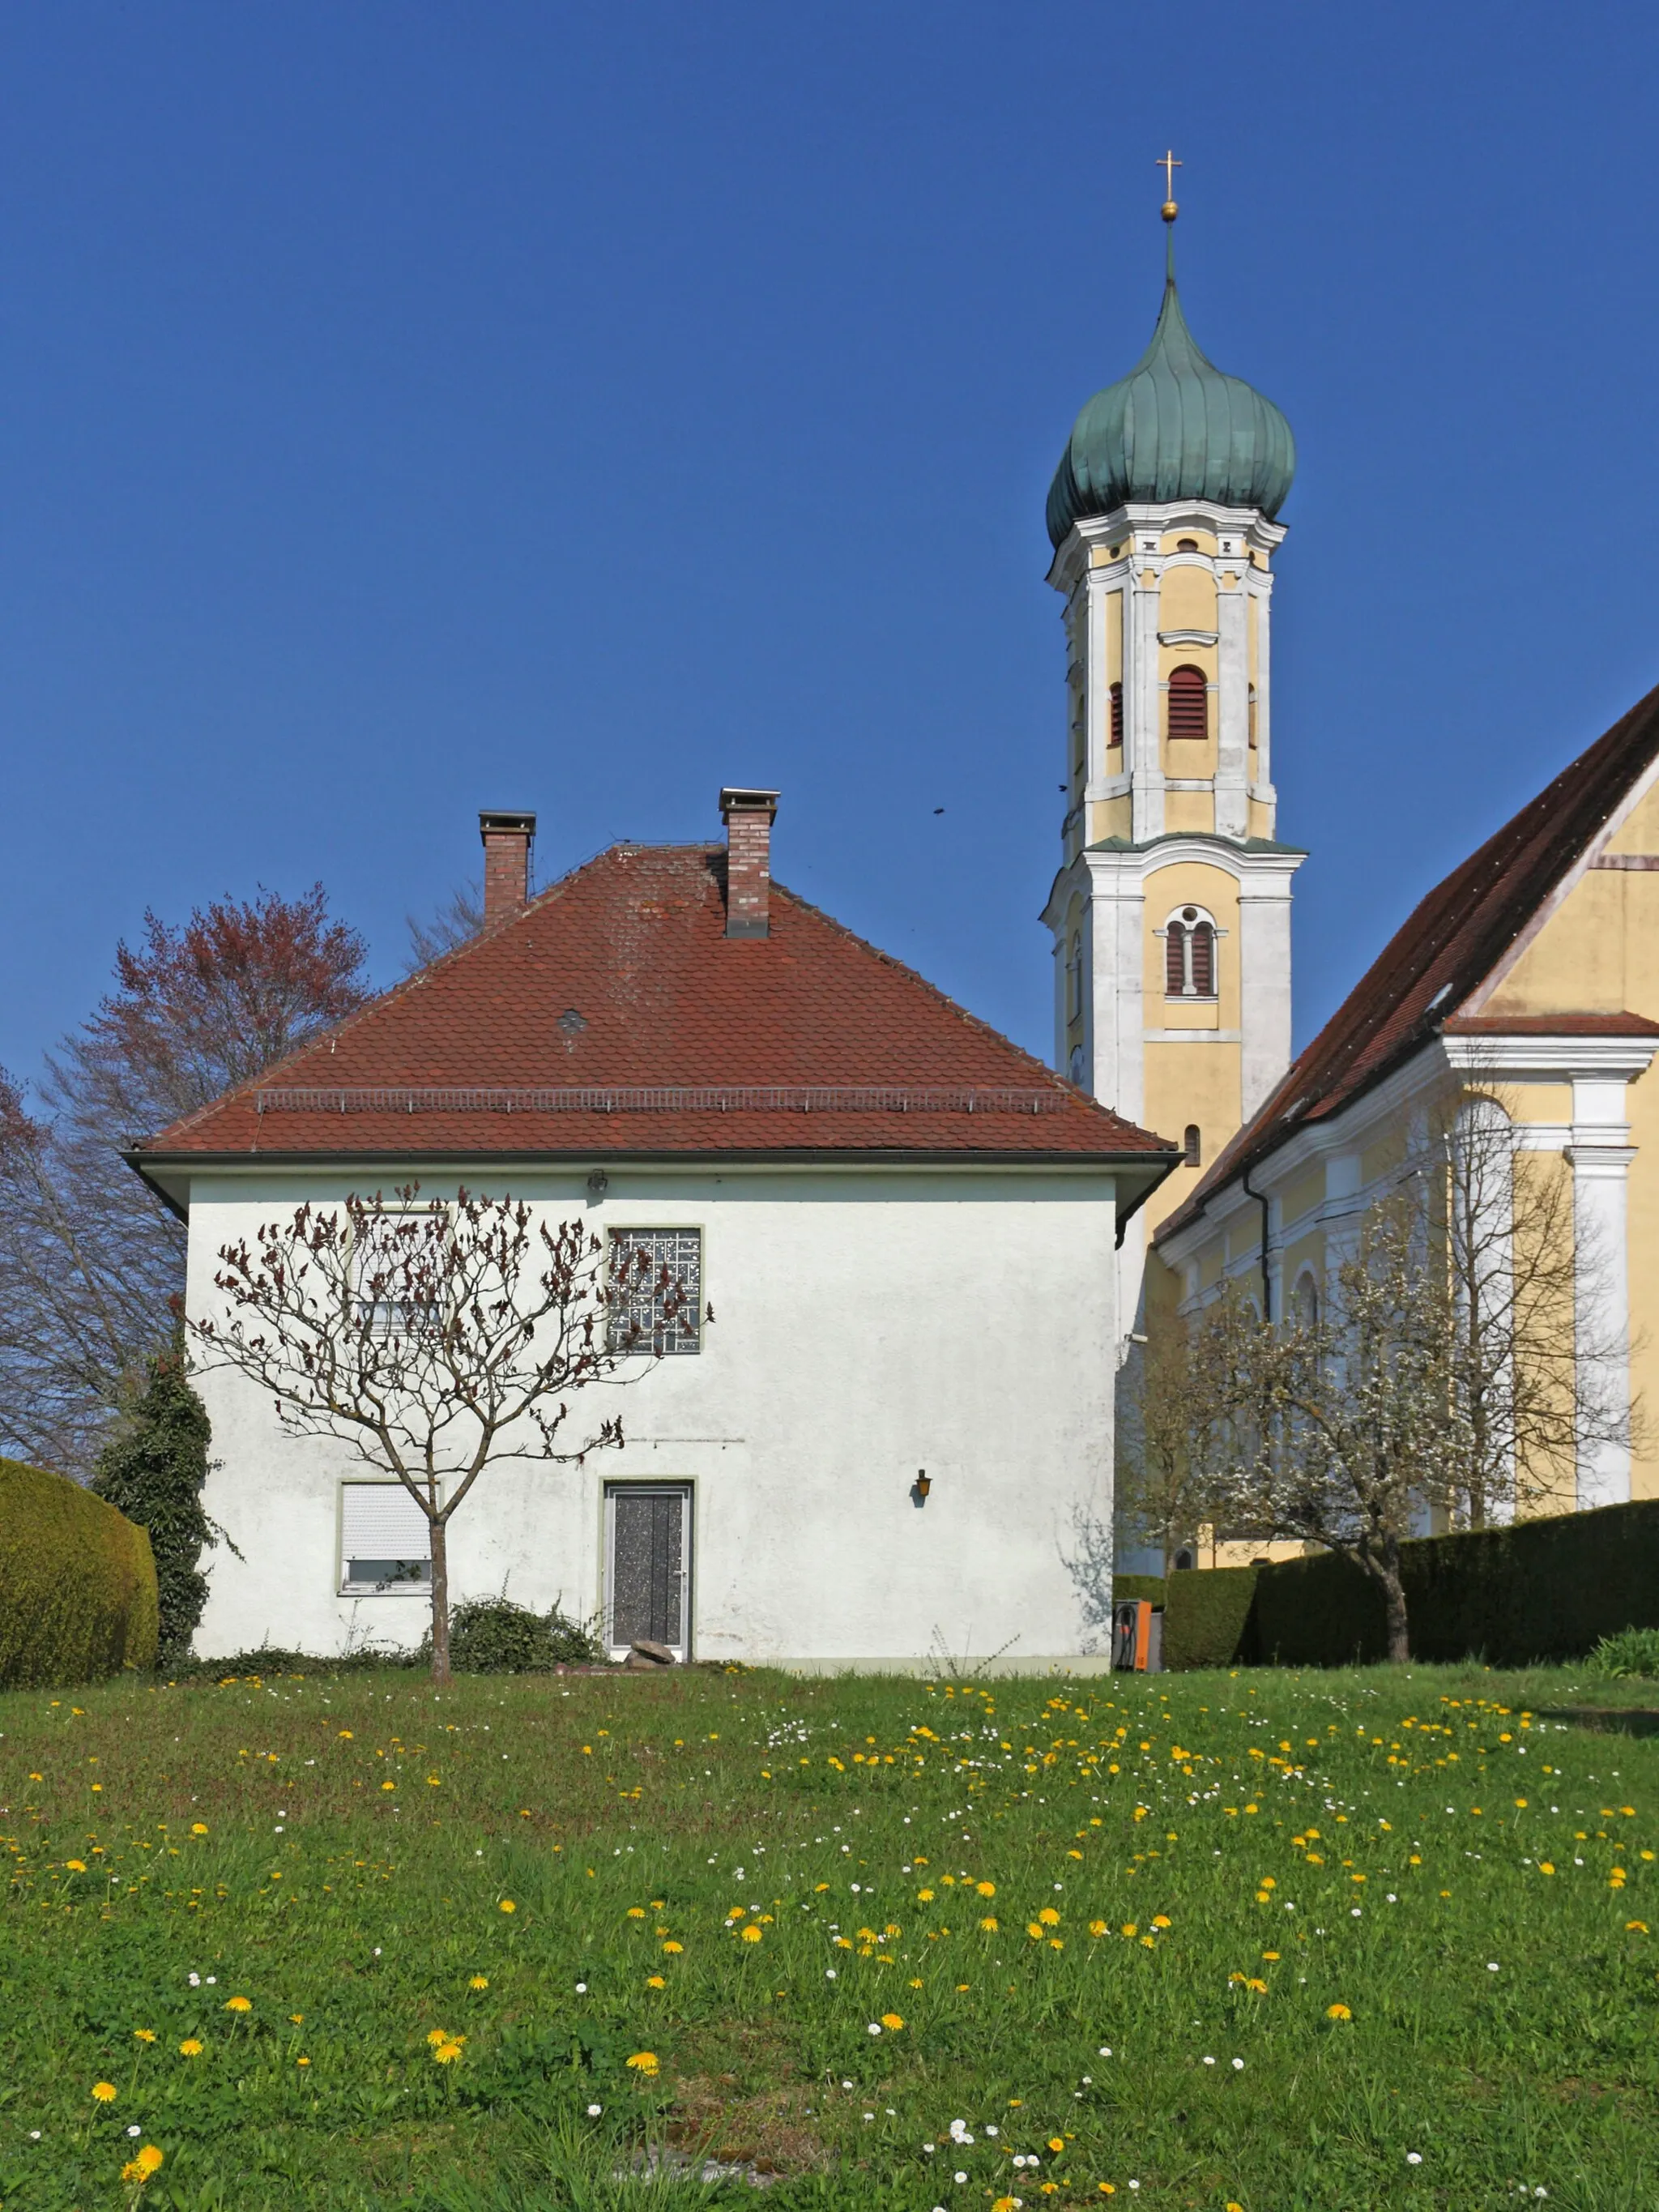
x: 1339, y: 1427
x: 434, y: 1339
x: 1539, y: 1380
x: 459, y: 917
x: 1165, y: 1490
x: 91, y: 1263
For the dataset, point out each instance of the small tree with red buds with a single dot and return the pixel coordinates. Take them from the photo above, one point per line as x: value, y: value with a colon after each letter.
x: 435, y: 1337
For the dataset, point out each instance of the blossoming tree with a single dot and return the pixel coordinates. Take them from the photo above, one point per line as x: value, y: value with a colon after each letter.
x: 435, y: 1338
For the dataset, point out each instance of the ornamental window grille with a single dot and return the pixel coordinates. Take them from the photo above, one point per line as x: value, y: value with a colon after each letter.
x: 656, y: 1291
x: 1189, y: 703
x: 1189, y: 966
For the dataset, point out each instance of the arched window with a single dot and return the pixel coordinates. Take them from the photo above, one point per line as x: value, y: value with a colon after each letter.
x: 1189, y: 703
x: 1192, y: 1146
x: 1186, y: 545
x: 1252, y: 712
x: 1304, y: 1300
x: 1189, y: 970
x: 1074, y: 978
x: 1115, y: 737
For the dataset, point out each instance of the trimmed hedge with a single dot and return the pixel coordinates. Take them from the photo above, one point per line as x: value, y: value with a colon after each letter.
x: 77, y: 1583
x: 1207, y: 1616
x: 1127, y: 1588
x: 1537, y: 1589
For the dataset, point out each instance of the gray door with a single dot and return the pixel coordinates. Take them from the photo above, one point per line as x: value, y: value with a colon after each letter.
x: 648, y: 1581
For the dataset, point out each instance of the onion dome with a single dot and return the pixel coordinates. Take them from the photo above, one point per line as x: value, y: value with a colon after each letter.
x: 1174, y: 428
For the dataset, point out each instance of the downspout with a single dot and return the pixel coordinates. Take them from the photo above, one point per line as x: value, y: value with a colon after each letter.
x: 1262, y: 1201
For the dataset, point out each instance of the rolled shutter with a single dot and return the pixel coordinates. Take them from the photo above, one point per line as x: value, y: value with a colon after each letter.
x: 381, y: 1521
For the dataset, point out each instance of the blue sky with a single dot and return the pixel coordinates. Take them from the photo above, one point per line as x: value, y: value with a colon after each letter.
x: 410, y: 408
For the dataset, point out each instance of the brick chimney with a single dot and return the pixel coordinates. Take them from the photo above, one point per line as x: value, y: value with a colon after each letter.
x: 748, y: 816
x: 507, y: 839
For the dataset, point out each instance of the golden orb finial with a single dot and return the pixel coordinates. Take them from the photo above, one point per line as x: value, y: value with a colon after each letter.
x: 1169, y: 164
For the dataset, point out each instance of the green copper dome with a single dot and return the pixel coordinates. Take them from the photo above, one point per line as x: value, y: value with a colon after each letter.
x: 1175, y: 428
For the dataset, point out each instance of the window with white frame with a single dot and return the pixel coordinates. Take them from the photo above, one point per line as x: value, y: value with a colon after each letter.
x: 385, y: 1541
x: 1189, y: 954
x: 395, y: 1265
x: 656, y: 1289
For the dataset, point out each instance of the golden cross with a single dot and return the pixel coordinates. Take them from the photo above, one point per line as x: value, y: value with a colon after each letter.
x: 1169, y: 164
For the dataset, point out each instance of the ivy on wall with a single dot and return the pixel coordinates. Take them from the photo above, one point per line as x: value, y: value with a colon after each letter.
x: 153, y: 1470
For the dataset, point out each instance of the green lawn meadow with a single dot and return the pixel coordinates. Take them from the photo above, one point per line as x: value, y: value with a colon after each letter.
x: 1287, y: 1942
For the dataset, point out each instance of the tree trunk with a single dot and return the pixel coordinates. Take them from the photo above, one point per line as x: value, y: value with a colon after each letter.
x: 440, y: 1601
x: 1393, y: 1602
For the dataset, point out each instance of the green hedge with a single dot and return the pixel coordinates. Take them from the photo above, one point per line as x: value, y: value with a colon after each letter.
x: 77, y: 1583
x: 1207, y: 1616
x: 1125, y: 1588
x: 1537, y: 1589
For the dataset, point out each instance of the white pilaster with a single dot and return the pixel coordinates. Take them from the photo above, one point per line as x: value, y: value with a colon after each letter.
x: 1264, y: 983
x: 1601, y: 1154
x: 1233, y: 706
x: 1143, y: 737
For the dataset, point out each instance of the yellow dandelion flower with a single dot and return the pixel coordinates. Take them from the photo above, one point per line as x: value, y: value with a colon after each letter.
x: 145, y: 2034
x: 104, y: 2092
x: 1160, y: 1920
x: 447, y: 2053
x: 892, y: 2021
x: 148, y: 2161
x: 198, y: 1827
x: 751, y: 1934
x: 985, y: 1888
x: 1048, y: 1916
x: 926, y: 1895
x: 75, y: 1866
x: 636, y: 1912
x: 237, y: 2004
x: 916, y: 1984
x: 192, y: 2047
x: 1636, y: 1928
x: 1544, y: 1866
x: 388, y: 1785
x: 989, y: 1923
x: 655, y: 1982
x: 1098, y: 1928
x: 302, y: 2061
x: 479, y: 1981
x: 645, y: 2062
x: 1337, y: 2012
x: 1006, y: 2204
x: 507, y: 1905
x: 297, y: 2018
x: 1130, y: 1929
x: 673, y: 1947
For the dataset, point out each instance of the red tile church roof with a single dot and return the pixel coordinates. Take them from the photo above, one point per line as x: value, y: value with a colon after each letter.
x: 1448, y: 947
x: 612, y: 1016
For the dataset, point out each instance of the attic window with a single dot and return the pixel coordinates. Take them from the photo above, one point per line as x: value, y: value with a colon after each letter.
x: 572, y: 1022
x: 1186, y: 545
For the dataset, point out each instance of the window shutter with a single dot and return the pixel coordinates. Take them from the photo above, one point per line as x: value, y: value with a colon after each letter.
x: 1203, y: 961
x: 1175, y: 960
x: 1189, y: 704
x: 381, y: 1521
x: 1117, y: 738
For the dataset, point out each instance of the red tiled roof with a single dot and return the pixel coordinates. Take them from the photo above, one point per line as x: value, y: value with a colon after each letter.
x: 1551, y: 1026
x: 612, y: 1015
x: 1449, y: 946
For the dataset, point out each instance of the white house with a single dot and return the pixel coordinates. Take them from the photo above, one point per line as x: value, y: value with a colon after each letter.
x: 901, y: 1230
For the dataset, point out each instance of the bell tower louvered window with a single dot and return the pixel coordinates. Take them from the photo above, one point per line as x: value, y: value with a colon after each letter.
x: 1189, y: 970
x: 1117, y: 726
x: 1189, y: 704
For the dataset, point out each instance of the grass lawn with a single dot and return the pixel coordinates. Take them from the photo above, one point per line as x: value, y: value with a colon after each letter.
x: 1269, y: 1940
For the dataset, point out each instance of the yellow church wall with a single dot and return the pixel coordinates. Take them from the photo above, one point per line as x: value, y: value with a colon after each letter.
x: 1186, y: 600
x: 1260, y: 822
x: 1190, y: 883
x: 1643, y: 1200
x: 1186, y: 1082
x: 1109, y: 818
x: 1384, y: 1153
x: 1114, y: 637
x: 1639, y: 831
x: 1305, y: 1251
x: 1206, y: 540
x: 1302, y: 1194
x: 1587, y: 958
x: 1193, y: 810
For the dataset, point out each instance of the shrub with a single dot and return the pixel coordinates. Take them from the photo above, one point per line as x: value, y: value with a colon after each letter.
x: 1150, y: 1587
x: 77, y: 1583
x: 1632, y: 1651
x: 1544, y: 1589
x: 1207, y: 1616
x: 153, y: 1471
x: 494, y: 1636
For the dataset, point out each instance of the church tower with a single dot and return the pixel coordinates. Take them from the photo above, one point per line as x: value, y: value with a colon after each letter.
x: 1172, y: 911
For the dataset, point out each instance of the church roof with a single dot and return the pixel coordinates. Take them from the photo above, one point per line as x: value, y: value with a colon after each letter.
x: 1449, y: 945
x: 612, y: 1016
x: 1175, y: 428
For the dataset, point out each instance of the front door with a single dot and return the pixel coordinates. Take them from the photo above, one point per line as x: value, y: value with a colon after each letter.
x: 648, y: 1581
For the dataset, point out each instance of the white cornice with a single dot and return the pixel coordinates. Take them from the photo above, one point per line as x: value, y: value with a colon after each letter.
x: 1559, y: 1059
x: 1247, y: 523
x: 1189, y: 636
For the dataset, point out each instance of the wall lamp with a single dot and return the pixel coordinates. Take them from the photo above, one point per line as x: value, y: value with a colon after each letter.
x: 923, y: 1483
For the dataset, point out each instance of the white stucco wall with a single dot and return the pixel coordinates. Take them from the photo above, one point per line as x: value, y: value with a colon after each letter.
x: 868, y: 1322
